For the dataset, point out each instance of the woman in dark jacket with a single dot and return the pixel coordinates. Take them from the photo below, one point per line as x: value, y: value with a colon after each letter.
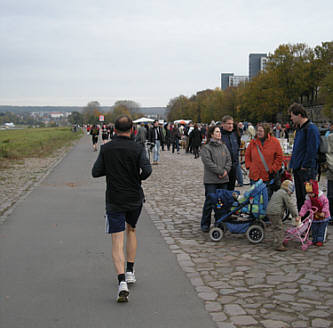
x: 195, y: 137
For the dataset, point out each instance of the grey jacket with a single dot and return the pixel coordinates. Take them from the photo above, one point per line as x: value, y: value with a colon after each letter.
x: 279, y: 202
x: 329, y: 158
x: 216, y: 159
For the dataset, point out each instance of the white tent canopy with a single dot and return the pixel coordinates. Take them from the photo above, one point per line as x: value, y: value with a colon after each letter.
x: 143, y: 120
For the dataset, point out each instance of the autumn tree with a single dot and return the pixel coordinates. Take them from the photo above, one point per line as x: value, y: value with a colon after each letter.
x: 128, y: 107
x: 76, y: 118
x: 327, y: 92
x: 91, y: 112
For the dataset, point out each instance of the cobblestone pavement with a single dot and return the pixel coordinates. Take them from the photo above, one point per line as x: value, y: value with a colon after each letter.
x: 18, y: 180
x: 241, y: 285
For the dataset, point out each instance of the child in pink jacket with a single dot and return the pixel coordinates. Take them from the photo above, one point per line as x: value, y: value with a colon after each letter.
x: 316, y: 198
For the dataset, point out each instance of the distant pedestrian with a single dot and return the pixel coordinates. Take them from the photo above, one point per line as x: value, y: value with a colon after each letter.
x: 175, y: 137
x: 141, y: 136
x: 156, y: 137
x: 94, y: 131
x: 329, y: 173
x: 168, y: 135
x: 105, y: 133
x: 195, y: 137
x: 217, y: 163
x: 125, y: 165
x: 329, y: 130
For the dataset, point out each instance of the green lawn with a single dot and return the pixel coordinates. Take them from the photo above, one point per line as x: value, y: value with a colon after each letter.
x: 39, y: 142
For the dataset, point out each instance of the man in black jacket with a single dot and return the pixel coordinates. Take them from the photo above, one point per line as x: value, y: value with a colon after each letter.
x: 125, y: 165
x: 229, y: 137
x: 156, y: 137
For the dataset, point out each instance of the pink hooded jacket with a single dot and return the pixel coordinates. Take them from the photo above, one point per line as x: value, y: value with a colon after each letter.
x: 307, y: 205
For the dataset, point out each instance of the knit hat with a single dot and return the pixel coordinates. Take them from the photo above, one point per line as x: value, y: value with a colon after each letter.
x: 288, y: 185
x: 312, y: 187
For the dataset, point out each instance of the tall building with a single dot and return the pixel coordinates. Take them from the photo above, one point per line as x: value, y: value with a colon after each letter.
x: 235, y: 80
x: 225, y: 80
x: 231, y: 80
x: 256, y: 64
x: 263, y: 62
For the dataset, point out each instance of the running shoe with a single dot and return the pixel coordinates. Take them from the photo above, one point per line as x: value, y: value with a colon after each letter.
x: 130, y: 277
x: 122, y: 292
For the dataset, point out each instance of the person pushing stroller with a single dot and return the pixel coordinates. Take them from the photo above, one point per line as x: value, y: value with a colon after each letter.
x: 280, y: 201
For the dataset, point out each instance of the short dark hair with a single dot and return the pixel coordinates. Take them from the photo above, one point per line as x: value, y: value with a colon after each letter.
x: 227, y: 118
x: 123, y: 123
x: 210, y: 132
x: 298, y: 109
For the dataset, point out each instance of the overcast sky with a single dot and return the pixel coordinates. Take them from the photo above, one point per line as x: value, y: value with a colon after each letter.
x: 70, y: 52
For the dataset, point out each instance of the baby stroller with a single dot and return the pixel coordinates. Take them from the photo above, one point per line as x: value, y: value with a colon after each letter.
x: 244, y: 215
x: 302, y: 231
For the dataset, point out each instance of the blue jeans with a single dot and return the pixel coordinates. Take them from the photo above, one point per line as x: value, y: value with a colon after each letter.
x: 157, y: 151
x: 318, y: 231
x: 208, y: 206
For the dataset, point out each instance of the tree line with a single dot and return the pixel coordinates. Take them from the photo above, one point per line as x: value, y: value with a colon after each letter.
x: 294, y: 73
x: 92, y: 111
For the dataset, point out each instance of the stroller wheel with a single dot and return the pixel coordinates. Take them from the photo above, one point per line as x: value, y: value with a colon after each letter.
x: 255, y: 234
x: 216, y: 234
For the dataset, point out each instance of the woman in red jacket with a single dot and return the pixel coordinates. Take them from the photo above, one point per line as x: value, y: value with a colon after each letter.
x: 270, y: 149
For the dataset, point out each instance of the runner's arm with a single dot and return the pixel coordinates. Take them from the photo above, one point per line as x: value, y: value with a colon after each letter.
x: 98, y: 169
x: 144, y: 165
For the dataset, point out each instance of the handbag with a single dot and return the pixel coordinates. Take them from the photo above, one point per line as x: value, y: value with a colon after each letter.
x: 275, y: 181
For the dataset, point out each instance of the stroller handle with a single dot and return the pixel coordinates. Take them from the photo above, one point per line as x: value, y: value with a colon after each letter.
x: 313, y: 210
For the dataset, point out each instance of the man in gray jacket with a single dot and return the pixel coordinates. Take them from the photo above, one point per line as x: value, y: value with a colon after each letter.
x: 329, y: 172
x: 217, y: 163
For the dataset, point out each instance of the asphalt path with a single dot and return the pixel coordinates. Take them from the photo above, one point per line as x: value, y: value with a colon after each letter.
x: 56, y: 268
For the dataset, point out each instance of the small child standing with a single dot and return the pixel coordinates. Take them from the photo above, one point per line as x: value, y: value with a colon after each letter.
x: 280, y: 201
x: 316, y: 198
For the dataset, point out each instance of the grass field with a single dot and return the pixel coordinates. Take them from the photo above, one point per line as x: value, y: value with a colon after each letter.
x: 21, y: 143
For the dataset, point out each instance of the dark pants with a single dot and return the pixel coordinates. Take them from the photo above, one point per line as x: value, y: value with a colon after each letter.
x: 175, y: 144
x: 318, y: 231
x: 196, y: 151
x: 208, y: 206
x: 232, y: 178
x: 300, y: 177
x: 168, y: 144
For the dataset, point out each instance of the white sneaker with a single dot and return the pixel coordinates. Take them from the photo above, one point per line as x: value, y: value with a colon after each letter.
x: 122, y: 292
x: 130, y: 277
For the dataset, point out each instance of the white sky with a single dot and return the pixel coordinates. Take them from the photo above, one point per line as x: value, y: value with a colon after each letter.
x: 70, y: 52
